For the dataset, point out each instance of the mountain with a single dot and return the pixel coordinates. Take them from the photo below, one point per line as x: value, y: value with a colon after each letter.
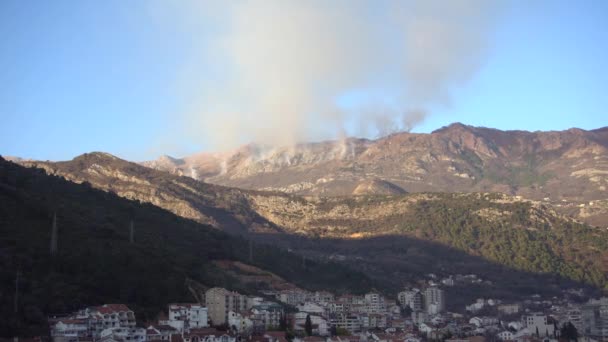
x: 568, y: 169
x: 97, y: 262
x: 396, y: 238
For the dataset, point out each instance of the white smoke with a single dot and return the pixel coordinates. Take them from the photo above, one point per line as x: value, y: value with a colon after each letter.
x: 276, y: 68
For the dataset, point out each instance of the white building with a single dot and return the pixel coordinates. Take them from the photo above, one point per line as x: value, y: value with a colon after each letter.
x: 434, y: 299
x: 505, y: 335
x: 69, y: 330
x: 185, y: 316
x: 240, y: 322
x: 349, y: 322
x: 160, y: 333
x: 97, y: 319
x: 320, y: 326
x: 375, y: 302
x: 123, y: 334
x: 322, y: 297
x: 509, y: 309
x: 268, y: 313
x: 293, y: 296
x: 311, y: 308
x: 412, y: 298
x: 538, y: 324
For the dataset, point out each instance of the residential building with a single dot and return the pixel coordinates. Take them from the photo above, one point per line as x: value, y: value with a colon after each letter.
x: 323, y: 297
x: 505, y: 335
x: 350, y: 322
x: 269, y: 313
x: 434, y: 300
x: 122, y: 334
x: 538, y: 324
x: 160, y: 333
x: 97, y: 319
x: 320, y: 326
x: 412, y: 298
x: 293, y: 296
x: 483, y: 321
x: 69, y: 330
x: 595, y: 319
x: 509, y: 309
x: 242, y: 323
x: 311, y: 308
x: 186, y: 315
x: 221, y: 301
x: 375, y: 302
x: 207, y: 335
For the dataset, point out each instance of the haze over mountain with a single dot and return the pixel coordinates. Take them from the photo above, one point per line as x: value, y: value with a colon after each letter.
x: 568, y: 169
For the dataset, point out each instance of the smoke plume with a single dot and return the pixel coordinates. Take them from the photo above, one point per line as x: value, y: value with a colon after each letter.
x: 278, y: 72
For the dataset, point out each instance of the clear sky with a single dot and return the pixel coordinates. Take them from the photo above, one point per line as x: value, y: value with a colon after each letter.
x: 81, y: 76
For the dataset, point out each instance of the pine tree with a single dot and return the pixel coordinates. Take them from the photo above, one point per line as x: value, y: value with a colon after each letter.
x: 308, y: 326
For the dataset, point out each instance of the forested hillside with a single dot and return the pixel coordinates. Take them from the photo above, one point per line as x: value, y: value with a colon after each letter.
x: 521, y: 235
x: 95, y: 261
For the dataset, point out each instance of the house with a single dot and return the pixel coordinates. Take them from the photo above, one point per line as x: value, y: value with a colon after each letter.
x: 539, y: 324
x: 311, y: 308
x: 123, y: 334
x: 160, y: 333
x: 184, y: 316
x: 269, y: 313
x: 240, y: 322
x: 69, y: 330
x: 509, y: 309
x: 221, y: 301
x: 349, y: 322
x: 483, y: 321
x: 293, y: 296
x: 89, y: 323
x: 275, y: 336
x: 320, y: 326
x: 207, y: 335
x: 505, y: 335
x: 109, y: 316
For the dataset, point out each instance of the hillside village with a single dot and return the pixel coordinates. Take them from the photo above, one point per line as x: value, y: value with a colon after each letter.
x: 294, y: 314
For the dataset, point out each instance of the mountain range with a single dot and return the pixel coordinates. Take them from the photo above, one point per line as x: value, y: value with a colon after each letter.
x: 436, y: 231
x: 519, y: 209
x: 567, y: 169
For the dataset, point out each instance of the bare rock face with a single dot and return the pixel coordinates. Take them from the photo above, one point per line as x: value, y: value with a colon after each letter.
x: 563, y: 168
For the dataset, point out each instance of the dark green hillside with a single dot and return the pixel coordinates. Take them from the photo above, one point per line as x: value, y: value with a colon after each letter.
x: 96, y: 263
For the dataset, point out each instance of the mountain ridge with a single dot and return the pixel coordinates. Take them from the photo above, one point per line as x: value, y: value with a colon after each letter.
x: 481, y: 224
x: 567, y: 169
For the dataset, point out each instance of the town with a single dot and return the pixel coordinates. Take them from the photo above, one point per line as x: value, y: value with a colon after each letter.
x: 416, y: 315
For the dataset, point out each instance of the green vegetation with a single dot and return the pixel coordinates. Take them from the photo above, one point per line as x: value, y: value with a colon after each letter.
x: 520, y: 175
x: 505, y: 241
x: 95, y: 262
x: 521, y: 237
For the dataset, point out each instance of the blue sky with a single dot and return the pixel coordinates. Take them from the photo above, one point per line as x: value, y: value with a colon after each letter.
x: 80, y: 76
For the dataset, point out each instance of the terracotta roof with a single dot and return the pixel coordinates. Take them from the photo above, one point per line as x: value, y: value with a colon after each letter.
x: 176, y: 338
x: 206, y: 331
x: 314, y: 339
x: 165, y: 327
